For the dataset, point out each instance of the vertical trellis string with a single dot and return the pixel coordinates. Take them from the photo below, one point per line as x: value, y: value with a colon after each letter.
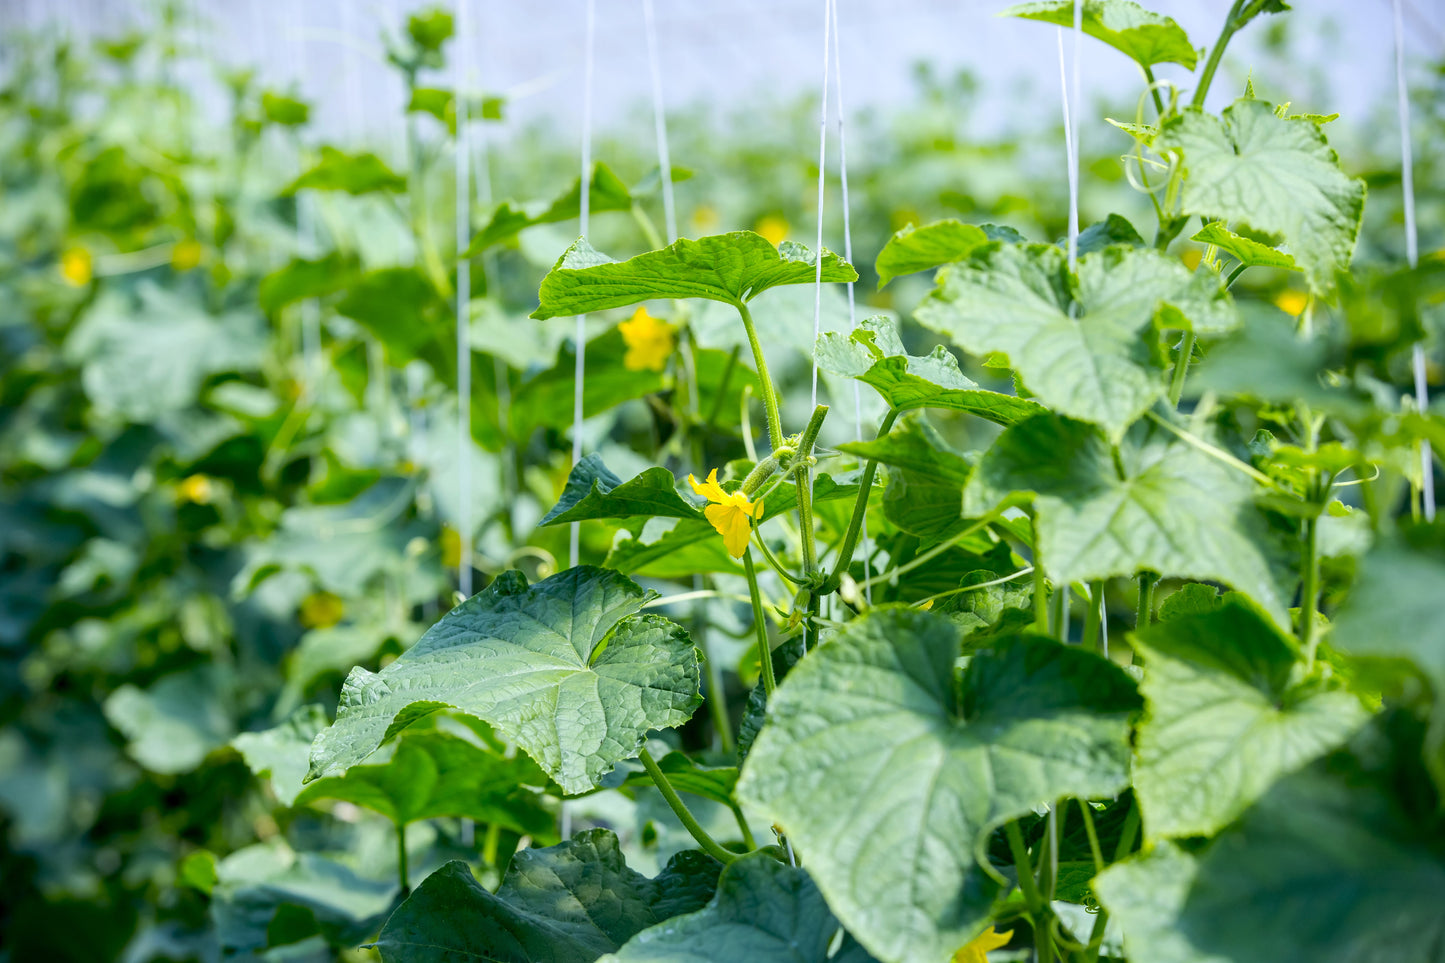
x: 1412, y: 254
x: 305, y: 226
x: 848, y: 256
x: 463, y: 158
x: 585, y: 195
x: 659, y: 120
x: 822, y: 171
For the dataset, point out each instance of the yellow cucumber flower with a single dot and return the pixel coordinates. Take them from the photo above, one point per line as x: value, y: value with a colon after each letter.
x: 774, y: 228
x: 186, y: 254
x: 649, y: 341
x: 77, y: 267
x: 977, y: 950
x: 1292, y: 302
x: 321, y: 610
x: 731, y: 513
x: 196, y: 489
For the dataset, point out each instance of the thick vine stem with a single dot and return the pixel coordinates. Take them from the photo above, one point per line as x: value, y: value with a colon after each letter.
x: 860, y: 510
x: 1038, y: 909
x: 1239, y: 15
x: 765, y: 381
x: 803, y: 482
x: 1181, y: 369
x: 683, y: 814
x: 765, y: 651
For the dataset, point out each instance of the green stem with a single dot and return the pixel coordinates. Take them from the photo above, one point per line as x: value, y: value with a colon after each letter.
x: 1038, y: 909
x: 1041, y: 598
x: 927, y: 556
x: 683, y: 814
x: 860, y: 508
x: 1093, y: 619
x: 1145, y: 614
x: 743, y: 827
x: 1158, y: 101
x: 401, y: 868
x: 765, y: 651
x: 1128, y: 833
x: 765, y: 381
x: 1181, y: 369
x: 776, y: 565
x: 803, y: 483
x: 1059, y: 613
x: 717, y: 705
x: 490, y: 841
x: 722, y: 390
x: 649, y: 230
x: 1236, y: 19
x: 1093, y: 834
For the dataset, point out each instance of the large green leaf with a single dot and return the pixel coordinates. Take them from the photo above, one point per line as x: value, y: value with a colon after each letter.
x: 1227, y: 718
x: 565, y: 668
x: 593, y: 491
x: 924, y: 248
x: 885, y: 770
x: 606, y: 192
x: 1079, y: 344
x: 434, y: 773
x: 280, y: 753
x: 402, y: 309
x: 733, y: 268
x: 360, y: 173
x: 764, y: 912
x: 1149, y: 38
x: 302, y: 278
x: 1153, y: 502
x: 924, y: 495
x: 1277, y: 175
x: 547, y: 398
x: 174, y: 723
x: 569, y: 903
x: 1343, y: 862
x: 874, y: 354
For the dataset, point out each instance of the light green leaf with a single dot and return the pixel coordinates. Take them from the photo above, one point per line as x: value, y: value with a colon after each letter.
x: 547, y: 398
x: 403, y: 310
x: 360, y: 173
x: 1227, y: 717
x: 281, y: 753
x: 924, y: 496
x: 1079, y: 345
x: 764, y: 912
x: 1163, y: 506
x: 593, y: 491
x: 172, y: 725
x: 565, y: 668
x: 1276, y: 175
x: 733, y: 268
x: 283, y: 110
x: 708, y: 782
x: 606, y: 192
x: 1246, y: 251
x: 1339, y: 863
x: 435, y: 774
x: 303, y: 279
x: 884, y: 770
x: 924, y: 248
x: 569, y: 903
x: 1112, y: 230
x: 198, y: 870
x: 874, y: 354
x: 1143, y: 35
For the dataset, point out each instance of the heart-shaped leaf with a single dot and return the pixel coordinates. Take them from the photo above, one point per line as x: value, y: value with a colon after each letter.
x: 924, y: 248
x: 593, y: 491
x: 1149, y: 38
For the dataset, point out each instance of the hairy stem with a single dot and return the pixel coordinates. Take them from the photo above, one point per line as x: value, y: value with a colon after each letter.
x: 1239, y: 15
x: 765, y: 381
x: 1038, y: 909
x: 860, y: 506
x: 803, y: 482
x: 1181, y: 369
x: 683, y: 814
x: 760, y: 623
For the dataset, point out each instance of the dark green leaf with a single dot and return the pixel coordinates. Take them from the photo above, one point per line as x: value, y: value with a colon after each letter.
x: 565, y: 668
x: 303, y: 279
x: 547, y: 398
x: 606, y: 192
x: 403, y: 311
x: 725, y: 267
x: 925, y: 479
x: 353, y: 173
x: 593, y: 491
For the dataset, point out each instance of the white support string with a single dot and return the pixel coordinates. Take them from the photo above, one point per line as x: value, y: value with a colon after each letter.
x: 305, y: 221
x: 579, y: 373
x: 848, y: 256
x: 1071, y: 132
x: 463, y: 158
x: 1412, y: 254
x: 659, y: 119
x: 822, y: 180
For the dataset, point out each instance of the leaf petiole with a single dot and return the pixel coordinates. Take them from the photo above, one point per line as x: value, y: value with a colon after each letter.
x: 680, y: 810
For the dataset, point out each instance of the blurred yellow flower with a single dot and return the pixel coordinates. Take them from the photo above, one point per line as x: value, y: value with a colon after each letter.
x: 977, y: 951
x: 186, y: 254
x: 704, y: 218
x: 451, y: 546
x: 731, y: 513
x: 321, y: 610
x: 1190, y: 257
x: 649, y: 341
x: 772, y: 227
x: 77, y: 267
x: 197, y: 489
x: 1292, y: 302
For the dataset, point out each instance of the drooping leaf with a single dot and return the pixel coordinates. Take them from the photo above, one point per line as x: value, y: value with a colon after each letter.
x: 1147, y: 37
x: 1339, y: 863
x: 606, y: 190
x: 593, y: 491
x: 569, y: 903
x: 924, y: 248
x: 884, y: 771
x: 733, y: 268
x: 281, y: 753
x: 565, y: 668
x: 1079, y: 345
x: 1245, y: 250
x: 361, y: 173
x: 547, y: 397
x: 1226, y: 718
x: 1277, y: 175
x: 303, y: 279
x: 764, y: 912
x: 874, y: 354
x: 435, y: 774
x: 924, y: 495
x: 1162, y: 506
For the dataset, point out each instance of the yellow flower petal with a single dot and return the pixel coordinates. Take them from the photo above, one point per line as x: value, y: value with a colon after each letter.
x: 649, y: 341
x: 321, y: 610
x: 977, y: 950
x: 709, y: 489
x: 774, y: 228
x: 1292, y: 302
x: 197, y: 489
x: 76, y: 266
x: 731, y: 513
x: 186, y: 254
